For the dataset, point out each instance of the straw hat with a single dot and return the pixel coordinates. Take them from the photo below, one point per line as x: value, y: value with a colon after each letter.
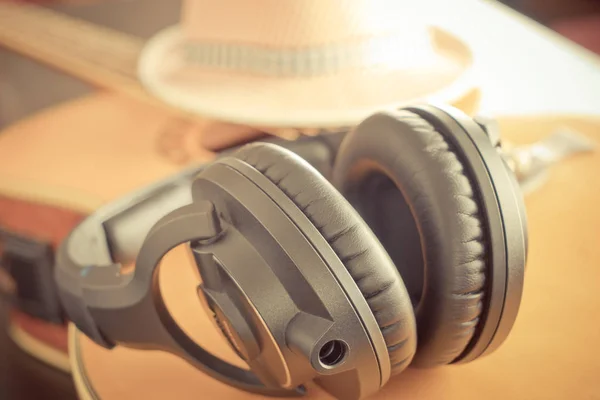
x: 303, y: 63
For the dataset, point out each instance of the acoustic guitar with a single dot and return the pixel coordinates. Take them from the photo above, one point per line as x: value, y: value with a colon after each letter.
x: 60, y: 165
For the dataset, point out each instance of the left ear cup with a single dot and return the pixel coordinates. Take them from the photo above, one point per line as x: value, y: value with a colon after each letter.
x: 410, y: 186
x: 352, y: 241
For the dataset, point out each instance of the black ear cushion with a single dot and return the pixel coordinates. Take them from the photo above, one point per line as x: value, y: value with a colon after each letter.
x: 432, y: 185
x: 350, y: 238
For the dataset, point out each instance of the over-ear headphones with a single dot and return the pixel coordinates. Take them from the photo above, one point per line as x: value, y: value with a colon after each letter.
x: 412, y: 254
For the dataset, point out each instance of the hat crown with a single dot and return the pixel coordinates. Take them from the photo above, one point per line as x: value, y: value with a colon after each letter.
x: 297, y: 23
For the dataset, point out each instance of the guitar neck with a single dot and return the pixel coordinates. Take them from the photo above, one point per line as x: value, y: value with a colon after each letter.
x: 103, y: 57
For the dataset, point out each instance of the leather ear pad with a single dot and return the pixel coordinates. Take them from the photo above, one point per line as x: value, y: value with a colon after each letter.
x: 404, y: 153
x: 350, y: 238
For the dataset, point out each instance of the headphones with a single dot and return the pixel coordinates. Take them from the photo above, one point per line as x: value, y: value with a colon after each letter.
x: 412, y: 253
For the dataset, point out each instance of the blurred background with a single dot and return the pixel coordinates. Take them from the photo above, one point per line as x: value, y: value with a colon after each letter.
x: 21, y: 79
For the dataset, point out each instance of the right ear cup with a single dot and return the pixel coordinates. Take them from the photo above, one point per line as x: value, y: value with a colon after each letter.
x: 410, y: 186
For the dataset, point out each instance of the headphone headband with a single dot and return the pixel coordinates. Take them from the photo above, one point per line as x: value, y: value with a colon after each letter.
x: 146, y: 224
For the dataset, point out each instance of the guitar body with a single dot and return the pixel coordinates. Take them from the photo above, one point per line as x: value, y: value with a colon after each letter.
x: 60, y: 165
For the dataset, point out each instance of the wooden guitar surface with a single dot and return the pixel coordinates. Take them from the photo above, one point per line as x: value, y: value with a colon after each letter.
x: 85, y: 153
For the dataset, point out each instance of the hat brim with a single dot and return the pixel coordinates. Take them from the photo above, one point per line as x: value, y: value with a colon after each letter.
x: 336, y: 100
